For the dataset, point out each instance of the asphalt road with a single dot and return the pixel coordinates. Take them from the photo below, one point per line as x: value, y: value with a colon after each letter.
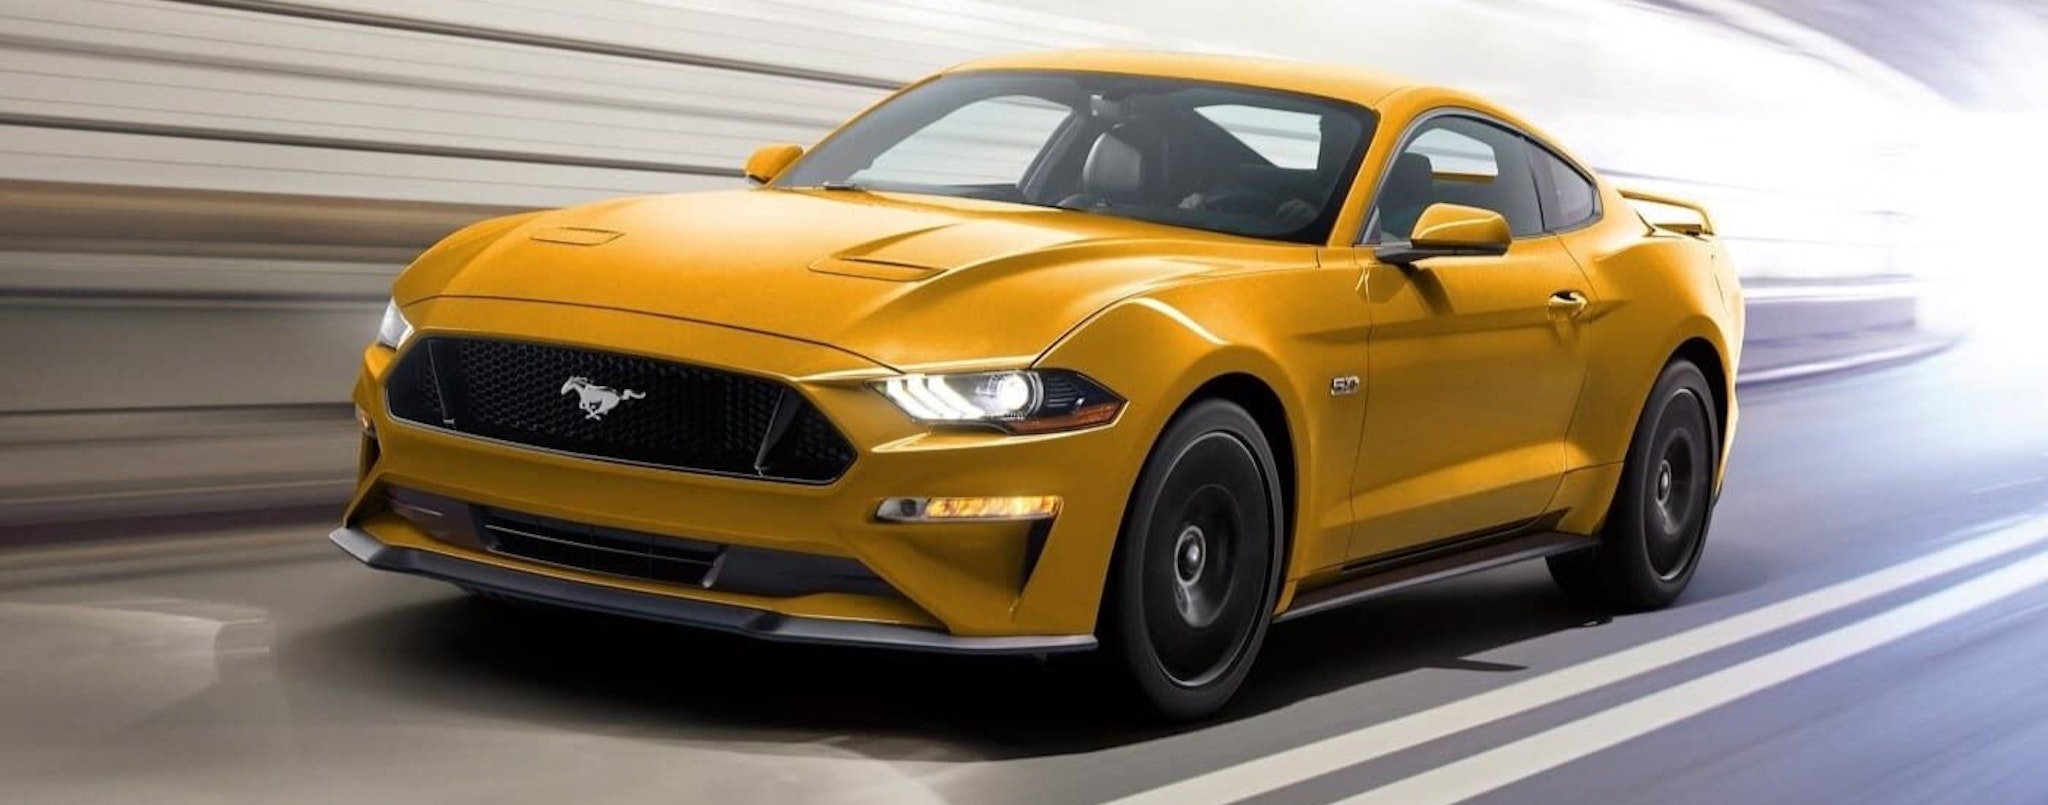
x: 1868, y: 626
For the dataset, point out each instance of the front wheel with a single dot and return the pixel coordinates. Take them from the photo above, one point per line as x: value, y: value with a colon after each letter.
x: 1197, y: 567
x: 1657, y: 524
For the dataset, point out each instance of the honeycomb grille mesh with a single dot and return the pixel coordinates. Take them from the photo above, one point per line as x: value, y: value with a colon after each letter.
x: 617, y: 407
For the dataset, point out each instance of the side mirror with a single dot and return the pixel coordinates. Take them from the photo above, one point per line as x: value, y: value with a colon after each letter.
x: 769, y: 161
x: 1450, y: 230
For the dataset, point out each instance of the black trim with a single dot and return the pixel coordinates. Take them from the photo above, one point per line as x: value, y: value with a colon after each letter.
x: 578, y: 546
x: 786, y: 405
x: 602, y: 551
x: 1405, y: 253
x: 446, y: 400
x: 761, y: 624
x: 1034, y: 548
x: 1371, y: 578
x: 1441, y: 547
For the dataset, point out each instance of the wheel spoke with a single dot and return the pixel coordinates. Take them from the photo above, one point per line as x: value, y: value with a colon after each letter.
x: 1206, y: 589
x: 1675, y: 491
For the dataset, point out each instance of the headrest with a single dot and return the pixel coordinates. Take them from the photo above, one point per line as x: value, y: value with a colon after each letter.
x: 1116, y: 166
x: 1410, y: 186
x: 1412, y: 179
x: 1332, y: 151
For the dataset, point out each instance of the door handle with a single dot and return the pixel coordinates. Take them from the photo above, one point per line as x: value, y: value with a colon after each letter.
x: 1567, y: 304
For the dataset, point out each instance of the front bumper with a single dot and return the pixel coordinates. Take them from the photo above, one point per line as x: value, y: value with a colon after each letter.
x: 967, y: 586
x: 702, y: 614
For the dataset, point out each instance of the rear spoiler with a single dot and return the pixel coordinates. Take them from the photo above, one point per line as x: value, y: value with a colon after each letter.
x: 1704, y: 227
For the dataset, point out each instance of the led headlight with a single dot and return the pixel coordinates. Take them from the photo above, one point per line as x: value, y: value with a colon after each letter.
x: 395, y: 328
x: 1027, y: 401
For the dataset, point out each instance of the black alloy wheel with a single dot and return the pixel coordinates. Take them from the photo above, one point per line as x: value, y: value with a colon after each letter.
x: 1197, y: 569
x: 1657, y: 525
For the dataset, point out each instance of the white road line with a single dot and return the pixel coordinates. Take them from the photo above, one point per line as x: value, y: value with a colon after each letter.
x: 1839, y: 364
x: 1261, y: 775
x: 2008, y: 485
x: 1824, y: 293
x: 65, y: 555
x: 1497, y: 768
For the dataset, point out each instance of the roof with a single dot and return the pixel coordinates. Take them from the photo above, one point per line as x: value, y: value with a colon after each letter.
x: 1355, y: 84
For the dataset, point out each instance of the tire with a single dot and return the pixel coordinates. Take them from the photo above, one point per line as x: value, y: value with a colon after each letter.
x: 1657, y: 524
x: 1197, y: 568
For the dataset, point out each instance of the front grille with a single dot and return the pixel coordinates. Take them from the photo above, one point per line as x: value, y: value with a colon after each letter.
x: 617, y: 407
x: 598, y: 550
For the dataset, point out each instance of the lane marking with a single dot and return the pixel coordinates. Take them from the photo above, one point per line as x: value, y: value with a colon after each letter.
x: 1271, y: 772
x: 1987, y: 489
x: 1528, y: 757
x: 1858, y: 361
x: 1833, y: 293
x: 142, y: 548
x: 208, y: 489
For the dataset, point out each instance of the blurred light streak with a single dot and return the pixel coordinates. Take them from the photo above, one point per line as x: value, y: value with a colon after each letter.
x: 202, y: 202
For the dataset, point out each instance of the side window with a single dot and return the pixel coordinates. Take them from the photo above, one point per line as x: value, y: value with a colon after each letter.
x: 1459, y: 160
x: 1569, y: 198
x: 989, y: 142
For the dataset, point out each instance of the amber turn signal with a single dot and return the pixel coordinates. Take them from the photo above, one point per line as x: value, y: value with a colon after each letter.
x: 928, y: 510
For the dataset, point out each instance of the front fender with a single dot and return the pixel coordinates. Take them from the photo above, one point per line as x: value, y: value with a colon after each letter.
x: 1159, y: 350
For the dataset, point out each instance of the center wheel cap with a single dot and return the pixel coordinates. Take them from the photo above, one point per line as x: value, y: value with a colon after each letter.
x: 1189, y: 555
x: 1664, y: 482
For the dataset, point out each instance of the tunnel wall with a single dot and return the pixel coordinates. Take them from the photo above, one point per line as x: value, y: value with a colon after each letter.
x: 202, y: 202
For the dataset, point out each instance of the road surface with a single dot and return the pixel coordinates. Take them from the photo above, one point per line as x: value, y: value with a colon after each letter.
x: 1868, y: 627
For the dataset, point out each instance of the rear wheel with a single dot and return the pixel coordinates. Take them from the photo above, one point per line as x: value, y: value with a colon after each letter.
x: 1657, y: 524
x: 1197, y: 569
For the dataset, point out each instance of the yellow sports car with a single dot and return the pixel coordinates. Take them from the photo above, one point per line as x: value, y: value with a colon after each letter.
x: 1127, y: 352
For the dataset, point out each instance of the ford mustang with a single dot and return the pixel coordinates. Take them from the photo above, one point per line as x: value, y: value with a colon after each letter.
x: 1130, y: 353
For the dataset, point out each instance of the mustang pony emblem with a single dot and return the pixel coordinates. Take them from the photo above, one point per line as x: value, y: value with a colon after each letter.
x: 595, y: 400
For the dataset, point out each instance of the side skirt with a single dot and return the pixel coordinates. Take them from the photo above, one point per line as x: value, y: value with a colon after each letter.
x: 1457, y: 557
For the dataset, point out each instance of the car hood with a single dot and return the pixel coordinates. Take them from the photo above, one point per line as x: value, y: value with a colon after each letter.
x: 902, y: 280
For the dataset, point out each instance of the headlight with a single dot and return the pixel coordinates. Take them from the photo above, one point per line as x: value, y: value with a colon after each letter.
x: 395, y: 328
x: 1019, y: 401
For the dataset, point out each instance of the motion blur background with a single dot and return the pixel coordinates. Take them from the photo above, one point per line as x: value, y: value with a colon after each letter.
x: 202, y: 202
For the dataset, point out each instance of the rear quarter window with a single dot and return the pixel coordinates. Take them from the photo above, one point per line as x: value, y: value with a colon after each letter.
x: 1569, y: 198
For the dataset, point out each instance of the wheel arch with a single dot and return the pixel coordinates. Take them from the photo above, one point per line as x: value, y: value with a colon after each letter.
x: 1195, y: 357
x: 1258, y: 398
x: 1703, y: 354
x: 1201, y: 344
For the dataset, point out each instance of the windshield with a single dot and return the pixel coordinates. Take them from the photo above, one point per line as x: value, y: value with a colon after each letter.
x: 1219, y: 157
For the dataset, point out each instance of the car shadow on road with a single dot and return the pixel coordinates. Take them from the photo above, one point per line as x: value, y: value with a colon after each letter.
x: 576, y: 671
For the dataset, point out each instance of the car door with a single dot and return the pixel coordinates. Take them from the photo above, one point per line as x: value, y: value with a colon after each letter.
x: 1474, y: 363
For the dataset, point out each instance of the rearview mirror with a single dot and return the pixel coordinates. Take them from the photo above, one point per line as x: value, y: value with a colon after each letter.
x: 1450, y: 230
x: 769, y: 161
